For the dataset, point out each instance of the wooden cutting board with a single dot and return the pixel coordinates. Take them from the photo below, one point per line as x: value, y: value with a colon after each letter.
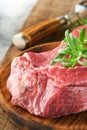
x: 24, y: 119
x: 44, y: 10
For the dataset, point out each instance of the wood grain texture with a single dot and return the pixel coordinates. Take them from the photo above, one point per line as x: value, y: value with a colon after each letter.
x: 44, y: 9
x: 40, y: 30
x: 27, y: 121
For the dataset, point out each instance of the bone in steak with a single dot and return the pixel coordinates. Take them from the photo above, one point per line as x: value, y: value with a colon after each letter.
x: 44, y: 90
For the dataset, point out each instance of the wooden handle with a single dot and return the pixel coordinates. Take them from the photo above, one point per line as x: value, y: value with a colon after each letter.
x: 29, y: 36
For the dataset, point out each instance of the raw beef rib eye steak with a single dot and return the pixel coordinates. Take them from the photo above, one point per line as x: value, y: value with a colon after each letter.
x: 45, y: 90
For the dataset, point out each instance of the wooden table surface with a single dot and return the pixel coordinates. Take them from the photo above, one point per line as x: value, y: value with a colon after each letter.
x: 43, y: 10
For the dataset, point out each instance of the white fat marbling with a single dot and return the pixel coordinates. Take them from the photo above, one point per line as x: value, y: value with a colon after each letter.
x: 12, y: 15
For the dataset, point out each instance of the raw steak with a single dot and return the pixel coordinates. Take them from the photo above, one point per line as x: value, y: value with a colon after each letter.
x: 45, y: 90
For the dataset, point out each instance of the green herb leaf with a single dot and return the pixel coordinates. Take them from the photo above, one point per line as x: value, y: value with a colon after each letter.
x: 75, y: 50
x: 82, y: 35
x: 83, y: 63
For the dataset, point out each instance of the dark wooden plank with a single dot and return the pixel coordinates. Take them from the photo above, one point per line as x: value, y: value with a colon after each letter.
x: 44, y: 9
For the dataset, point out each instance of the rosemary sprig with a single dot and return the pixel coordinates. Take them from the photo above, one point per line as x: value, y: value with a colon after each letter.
x: 75, y: 50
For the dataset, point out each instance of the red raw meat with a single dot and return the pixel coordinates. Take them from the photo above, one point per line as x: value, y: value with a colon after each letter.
x: 45, y: 90
x: 76, y: 31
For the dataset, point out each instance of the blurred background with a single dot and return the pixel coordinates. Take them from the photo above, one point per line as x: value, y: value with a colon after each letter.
x: 13, y: 13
